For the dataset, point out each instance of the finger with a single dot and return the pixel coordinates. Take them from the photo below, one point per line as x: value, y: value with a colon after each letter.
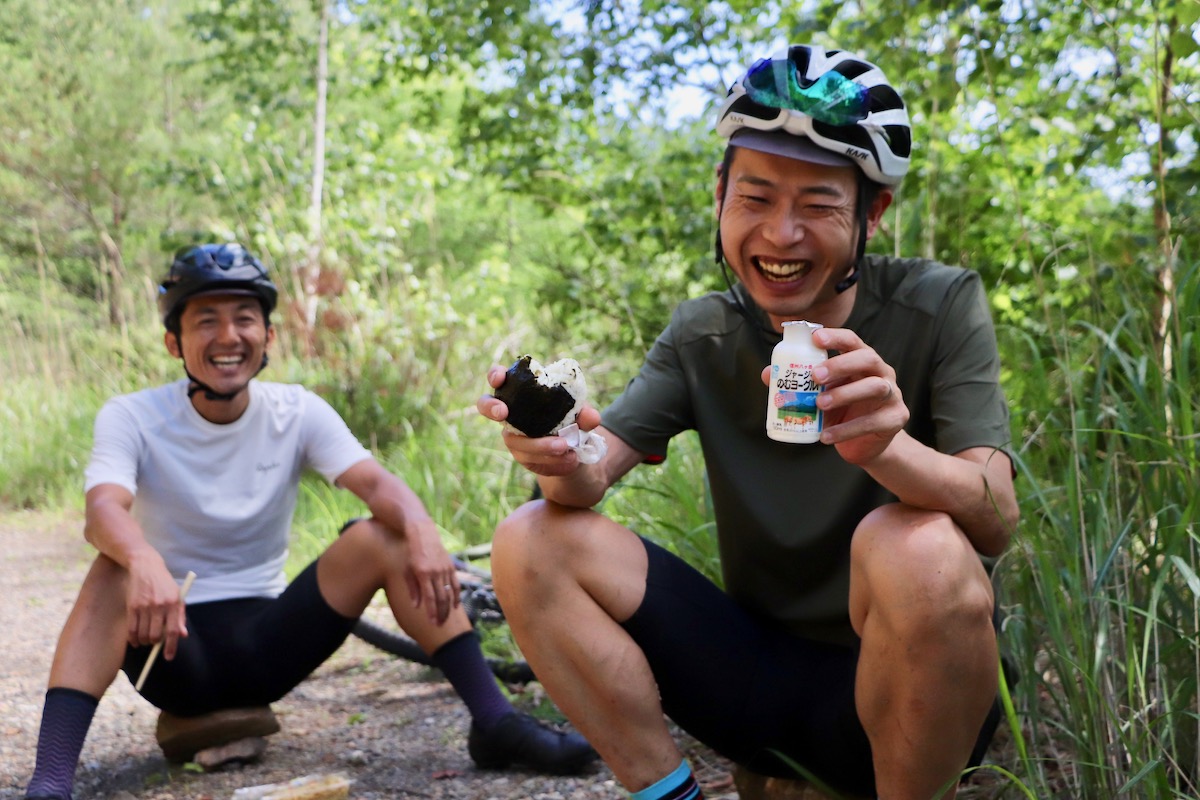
x: 496, y: 375
x: 431, y: 598
x: 839, y: 339
x: 588, y: 419
x: 492, y: 408
x: 141, y: 631
x: 445, y: 596
x: 158, y: 627
x: 542, y: 450
x: 174, y: 635
x: 766, y: 375
x: 884, y: 423
x: 847, y: 367
x: 414, y: 589
x: 871, y: 391
x: 455, y: 590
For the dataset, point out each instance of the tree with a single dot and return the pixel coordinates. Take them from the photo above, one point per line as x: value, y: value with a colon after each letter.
x: 78, y: 112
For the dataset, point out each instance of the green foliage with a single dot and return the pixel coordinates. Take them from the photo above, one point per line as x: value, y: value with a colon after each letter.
x: 670, y: 503
x: 1105, y: 615
x: 45, y: 446
x: 60, y: 363
x: 498, y: 183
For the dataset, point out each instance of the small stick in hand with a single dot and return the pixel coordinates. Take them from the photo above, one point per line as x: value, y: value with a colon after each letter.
x: 183, y: 590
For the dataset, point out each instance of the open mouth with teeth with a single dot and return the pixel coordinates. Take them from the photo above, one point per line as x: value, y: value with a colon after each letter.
x: 782, y: 271
x: 227, y: 362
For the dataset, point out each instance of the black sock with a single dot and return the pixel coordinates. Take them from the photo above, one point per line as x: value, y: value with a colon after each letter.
x: 66, y: 717
x: 461, y: 661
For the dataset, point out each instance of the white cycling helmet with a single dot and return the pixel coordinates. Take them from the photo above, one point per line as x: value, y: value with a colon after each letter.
x: 832, y: 98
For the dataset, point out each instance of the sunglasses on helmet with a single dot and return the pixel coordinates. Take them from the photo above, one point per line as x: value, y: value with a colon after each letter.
x: 223, y: 258
x: 832, y: 99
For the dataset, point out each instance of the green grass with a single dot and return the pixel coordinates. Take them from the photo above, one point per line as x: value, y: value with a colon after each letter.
x: 1102, y: 590
x: 1102, y: 575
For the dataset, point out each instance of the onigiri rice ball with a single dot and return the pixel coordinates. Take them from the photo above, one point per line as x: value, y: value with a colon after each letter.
x: 541, y: 399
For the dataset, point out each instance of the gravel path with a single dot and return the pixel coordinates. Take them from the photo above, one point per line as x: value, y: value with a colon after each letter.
x: 391, y: 726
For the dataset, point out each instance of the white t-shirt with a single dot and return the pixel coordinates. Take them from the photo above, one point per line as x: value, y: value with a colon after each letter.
x: 218, y: 499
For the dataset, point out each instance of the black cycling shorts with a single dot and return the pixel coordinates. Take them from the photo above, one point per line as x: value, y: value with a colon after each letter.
x: 244, y: 652
x: 749, y: 689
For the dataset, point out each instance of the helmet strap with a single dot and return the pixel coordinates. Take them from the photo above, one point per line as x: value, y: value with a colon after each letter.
x: 769, y: 334
x: 848, y: 281
x: 209, y: 393
x: 862, y: 206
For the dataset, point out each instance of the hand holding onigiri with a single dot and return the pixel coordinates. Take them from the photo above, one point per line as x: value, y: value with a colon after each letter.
x: 545, y: 400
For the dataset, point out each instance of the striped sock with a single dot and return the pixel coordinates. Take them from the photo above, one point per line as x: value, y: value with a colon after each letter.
x: 66, y: 717
x: 679, y: 785
x: 461, y: 661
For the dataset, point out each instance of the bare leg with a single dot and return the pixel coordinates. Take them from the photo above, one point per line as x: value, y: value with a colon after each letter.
x: 927, y: 675
x: 566, y: 578
x: 90, y: 650
x: 368, y: 557
x: 91, y: 647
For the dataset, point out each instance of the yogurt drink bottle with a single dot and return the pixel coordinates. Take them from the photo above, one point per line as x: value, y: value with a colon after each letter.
x: 792, y: 413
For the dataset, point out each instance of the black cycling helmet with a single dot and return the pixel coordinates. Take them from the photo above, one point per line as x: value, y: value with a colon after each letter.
x: 213, y: 269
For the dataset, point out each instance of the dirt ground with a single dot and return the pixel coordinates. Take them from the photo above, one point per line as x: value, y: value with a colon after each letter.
x: 396, y: 729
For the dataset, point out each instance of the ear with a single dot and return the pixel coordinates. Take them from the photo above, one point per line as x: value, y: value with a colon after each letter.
x: 270, y: 335
x: 875, y: 212
x: 172, y: 343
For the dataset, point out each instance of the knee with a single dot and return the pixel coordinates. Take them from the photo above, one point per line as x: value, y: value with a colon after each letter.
x: 918, y: 568
x: 535, y: 531
x: 369, y: 549
x: 368, y: 533
x: 537, y: 547
x: 512, y: 534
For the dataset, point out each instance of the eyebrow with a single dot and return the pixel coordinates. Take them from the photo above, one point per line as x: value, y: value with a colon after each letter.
x: 817, y: 189
x: 211, y: 308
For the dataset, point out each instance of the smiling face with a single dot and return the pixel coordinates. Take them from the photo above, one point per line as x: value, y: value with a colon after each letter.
x: 222, y: 340
x: 789, y: 231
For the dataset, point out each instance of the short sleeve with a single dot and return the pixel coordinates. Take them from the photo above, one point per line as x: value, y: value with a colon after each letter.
x: 329, y: 446
x: 115, y: 448
x: 655, y: 405
x: 968, y: 405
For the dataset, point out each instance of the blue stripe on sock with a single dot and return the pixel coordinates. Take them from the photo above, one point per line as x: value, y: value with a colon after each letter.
x: 668, y: 787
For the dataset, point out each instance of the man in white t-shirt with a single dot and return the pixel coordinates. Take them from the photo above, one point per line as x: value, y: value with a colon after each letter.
x: 201, y: 476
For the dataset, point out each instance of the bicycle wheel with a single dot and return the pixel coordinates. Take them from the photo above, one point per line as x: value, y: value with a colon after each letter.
x: 392, y: 641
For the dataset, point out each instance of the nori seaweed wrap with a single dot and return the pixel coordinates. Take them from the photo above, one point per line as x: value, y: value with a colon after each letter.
x: 541, y: 400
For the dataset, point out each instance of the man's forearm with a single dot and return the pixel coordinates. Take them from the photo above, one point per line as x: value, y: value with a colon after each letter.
x: 972, y: 487
x: 112, y: 530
